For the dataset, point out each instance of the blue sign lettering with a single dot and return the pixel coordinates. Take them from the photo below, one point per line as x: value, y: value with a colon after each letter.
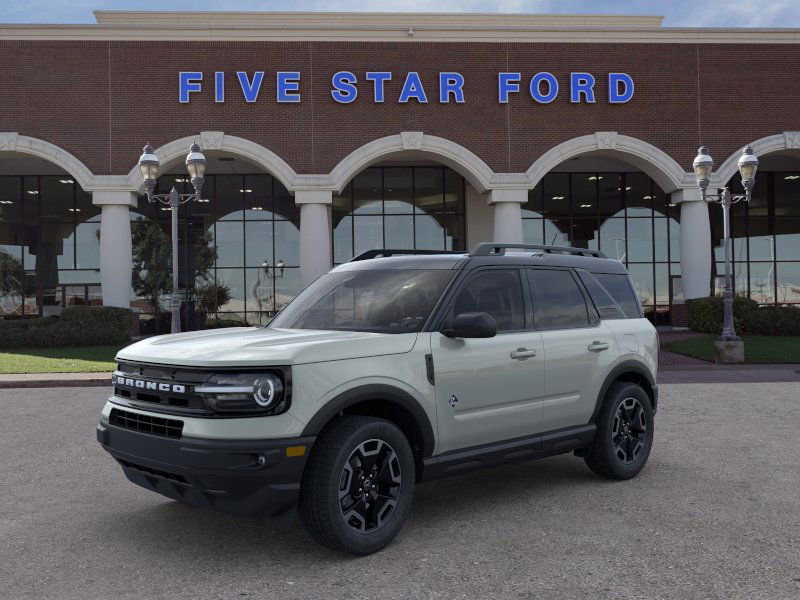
x: 219, y: 86
x: 378, y: 78
x: 543, y: 86
x: 250, y: 89
x: 536, y: 88
x: 344, y: 89
x: 451, y: 83
x: 617, y: 95
x: 288, y: 86
x: 581, y: 83
x: 412, y: 88
x: 188, y: 81
x: 507, y: 83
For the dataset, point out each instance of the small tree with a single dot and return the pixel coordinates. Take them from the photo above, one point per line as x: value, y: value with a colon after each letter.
x: 12, y: 277
x: 152, y: 264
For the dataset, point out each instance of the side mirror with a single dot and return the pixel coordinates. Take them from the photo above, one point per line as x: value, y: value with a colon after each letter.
x: 472, y: 325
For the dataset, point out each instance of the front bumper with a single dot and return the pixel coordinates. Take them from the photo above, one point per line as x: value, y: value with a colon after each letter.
x: 249, y: 478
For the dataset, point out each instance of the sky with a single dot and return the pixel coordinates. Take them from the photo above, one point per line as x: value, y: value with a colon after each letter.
x: 678, y: 13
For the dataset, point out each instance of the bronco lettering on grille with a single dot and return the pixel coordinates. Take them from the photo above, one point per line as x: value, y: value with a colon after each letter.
x: 143, y: 384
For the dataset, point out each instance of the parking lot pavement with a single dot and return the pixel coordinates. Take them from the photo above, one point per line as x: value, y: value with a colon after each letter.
x: 715, y: 514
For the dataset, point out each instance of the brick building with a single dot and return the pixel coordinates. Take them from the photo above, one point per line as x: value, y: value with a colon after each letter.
x: 330, y: 134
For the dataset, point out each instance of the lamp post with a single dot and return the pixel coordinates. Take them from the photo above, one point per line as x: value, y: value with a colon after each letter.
x: 703, y: 165
x: 196, y: 165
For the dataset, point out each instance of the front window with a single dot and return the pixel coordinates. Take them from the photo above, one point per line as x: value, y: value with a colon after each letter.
x: 381, y: 301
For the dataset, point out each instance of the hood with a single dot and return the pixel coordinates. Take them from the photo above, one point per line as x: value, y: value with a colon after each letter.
x: 257, y: 346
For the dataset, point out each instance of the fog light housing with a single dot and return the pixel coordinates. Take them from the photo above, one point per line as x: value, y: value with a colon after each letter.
x: 244, y: 393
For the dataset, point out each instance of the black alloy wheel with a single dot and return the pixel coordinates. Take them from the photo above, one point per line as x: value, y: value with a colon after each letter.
x: 370, y: 485
x: 629, y: 432
x: 624, y: 435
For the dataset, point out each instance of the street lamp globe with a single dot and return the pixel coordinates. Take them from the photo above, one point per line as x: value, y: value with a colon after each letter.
x: 148, y: 165
x: 748, y: 165
x: 196, y: 165
x: 703, y: 165
x: 280, y: 266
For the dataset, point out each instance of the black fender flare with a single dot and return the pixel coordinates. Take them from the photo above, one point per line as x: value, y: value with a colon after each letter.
x: 369, y: 392
x: 623, y: 368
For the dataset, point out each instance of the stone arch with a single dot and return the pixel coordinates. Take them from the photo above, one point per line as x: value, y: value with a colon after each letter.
x: 444, y: 151
x: 781, y: 142
x: 218, y: 140
x: 11, y: 141
x: 656, y: 163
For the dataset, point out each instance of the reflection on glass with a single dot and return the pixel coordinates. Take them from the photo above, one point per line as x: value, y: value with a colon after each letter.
x: 532, y: 231
x: 229, y: 237
x: 399, y: 232
x: 233, y: 281
x: 87, y: 245
x: 287, y: 243
x: 429, y: 233
x: 788, y: 276
x: 642, y: 276
x: 367, y: 191
x: 640, y: 240
x: 397, y: 192
x: 762, y: 282
x: 612, y: 239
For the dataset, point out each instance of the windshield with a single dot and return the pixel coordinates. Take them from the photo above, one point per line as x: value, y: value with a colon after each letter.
x: 397, y: 301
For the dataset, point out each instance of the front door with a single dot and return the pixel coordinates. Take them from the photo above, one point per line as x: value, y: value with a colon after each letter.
x: 489, y: 389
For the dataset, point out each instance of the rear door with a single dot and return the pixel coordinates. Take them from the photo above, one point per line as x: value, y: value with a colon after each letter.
x: 488, y: 390
x: 579, y: 348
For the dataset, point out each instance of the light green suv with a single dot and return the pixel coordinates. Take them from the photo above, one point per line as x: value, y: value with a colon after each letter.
x: 395, y: 368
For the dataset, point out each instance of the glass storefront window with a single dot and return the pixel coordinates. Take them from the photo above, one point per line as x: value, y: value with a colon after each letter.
x: 49, y: 245
x: 400, y: 208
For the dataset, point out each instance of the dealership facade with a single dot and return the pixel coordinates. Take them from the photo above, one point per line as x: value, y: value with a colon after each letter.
x: 328, y: 134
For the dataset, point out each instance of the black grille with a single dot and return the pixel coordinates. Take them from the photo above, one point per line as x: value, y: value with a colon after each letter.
x: 170, y: 428
x: 157, y: 472
x: 187, y: 403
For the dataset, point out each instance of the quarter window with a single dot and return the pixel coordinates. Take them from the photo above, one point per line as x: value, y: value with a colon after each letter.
x: 496, y: 292
x: 560, y: 301
x: 619, y: 287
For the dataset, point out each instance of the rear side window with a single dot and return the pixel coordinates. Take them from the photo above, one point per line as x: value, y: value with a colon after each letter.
x: 620, y: 289
x: 559, y: 300
x: 606, y: 305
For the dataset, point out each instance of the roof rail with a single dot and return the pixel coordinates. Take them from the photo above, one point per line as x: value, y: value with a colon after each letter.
x: 488, y: 248
x: 367, y: 255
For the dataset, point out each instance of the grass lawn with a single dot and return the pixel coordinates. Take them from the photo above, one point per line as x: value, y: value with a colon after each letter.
x: 763, y: 349
x: 85, y: 359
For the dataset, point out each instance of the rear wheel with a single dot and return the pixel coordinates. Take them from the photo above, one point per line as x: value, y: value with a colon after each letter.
x: 624, y: 433
x: 357, y: 489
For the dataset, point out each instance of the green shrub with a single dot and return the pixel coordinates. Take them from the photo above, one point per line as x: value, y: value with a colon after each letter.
x: 706, y: 315
x: 77, y: 326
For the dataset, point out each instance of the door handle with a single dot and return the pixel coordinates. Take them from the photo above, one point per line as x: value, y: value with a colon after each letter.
x: 522, y: 354
x: 597, y: 346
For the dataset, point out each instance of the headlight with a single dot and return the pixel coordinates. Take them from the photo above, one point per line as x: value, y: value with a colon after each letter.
x: 244, y: 393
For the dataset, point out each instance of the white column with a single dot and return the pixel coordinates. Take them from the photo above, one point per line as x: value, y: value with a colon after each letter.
x: 508, y: 214
x: 116, y: 256
x: 315, y: 233
x: 695, y: 243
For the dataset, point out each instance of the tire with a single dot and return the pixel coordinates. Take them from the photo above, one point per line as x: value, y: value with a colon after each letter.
x: 624, y: 434
x: 368, y: 513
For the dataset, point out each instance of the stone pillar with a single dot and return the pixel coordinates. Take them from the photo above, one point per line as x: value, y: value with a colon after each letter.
x: 315, y: 233
x: 695, y: 243
x: 508, y: 214
x: 116, y: 256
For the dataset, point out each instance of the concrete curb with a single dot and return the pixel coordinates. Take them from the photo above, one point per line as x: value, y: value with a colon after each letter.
x: 37, y: 381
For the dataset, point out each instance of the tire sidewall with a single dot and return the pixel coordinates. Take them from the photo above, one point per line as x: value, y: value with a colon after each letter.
x: 373, y: 540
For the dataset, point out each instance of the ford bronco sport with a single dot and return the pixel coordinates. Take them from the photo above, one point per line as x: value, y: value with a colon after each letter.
x: 395, y: 368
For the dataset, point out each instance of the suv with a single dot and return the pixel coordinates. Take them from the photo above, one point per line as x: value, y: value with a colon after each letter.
x: 394, y: 368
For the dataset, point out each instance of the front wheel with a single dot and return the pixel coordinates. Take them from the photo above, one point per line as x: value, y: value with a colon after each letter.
x: 357, y: 489
x: 624, y: 433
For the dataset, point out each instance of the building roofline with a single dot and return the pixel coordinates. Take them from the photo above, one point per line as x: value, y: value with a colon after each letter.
x: 358, y: 19
x: 387, y: 27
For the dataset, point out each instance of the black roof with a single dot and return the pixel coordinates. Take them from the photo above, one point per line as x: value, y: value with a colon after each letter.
x: 486, y: 255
